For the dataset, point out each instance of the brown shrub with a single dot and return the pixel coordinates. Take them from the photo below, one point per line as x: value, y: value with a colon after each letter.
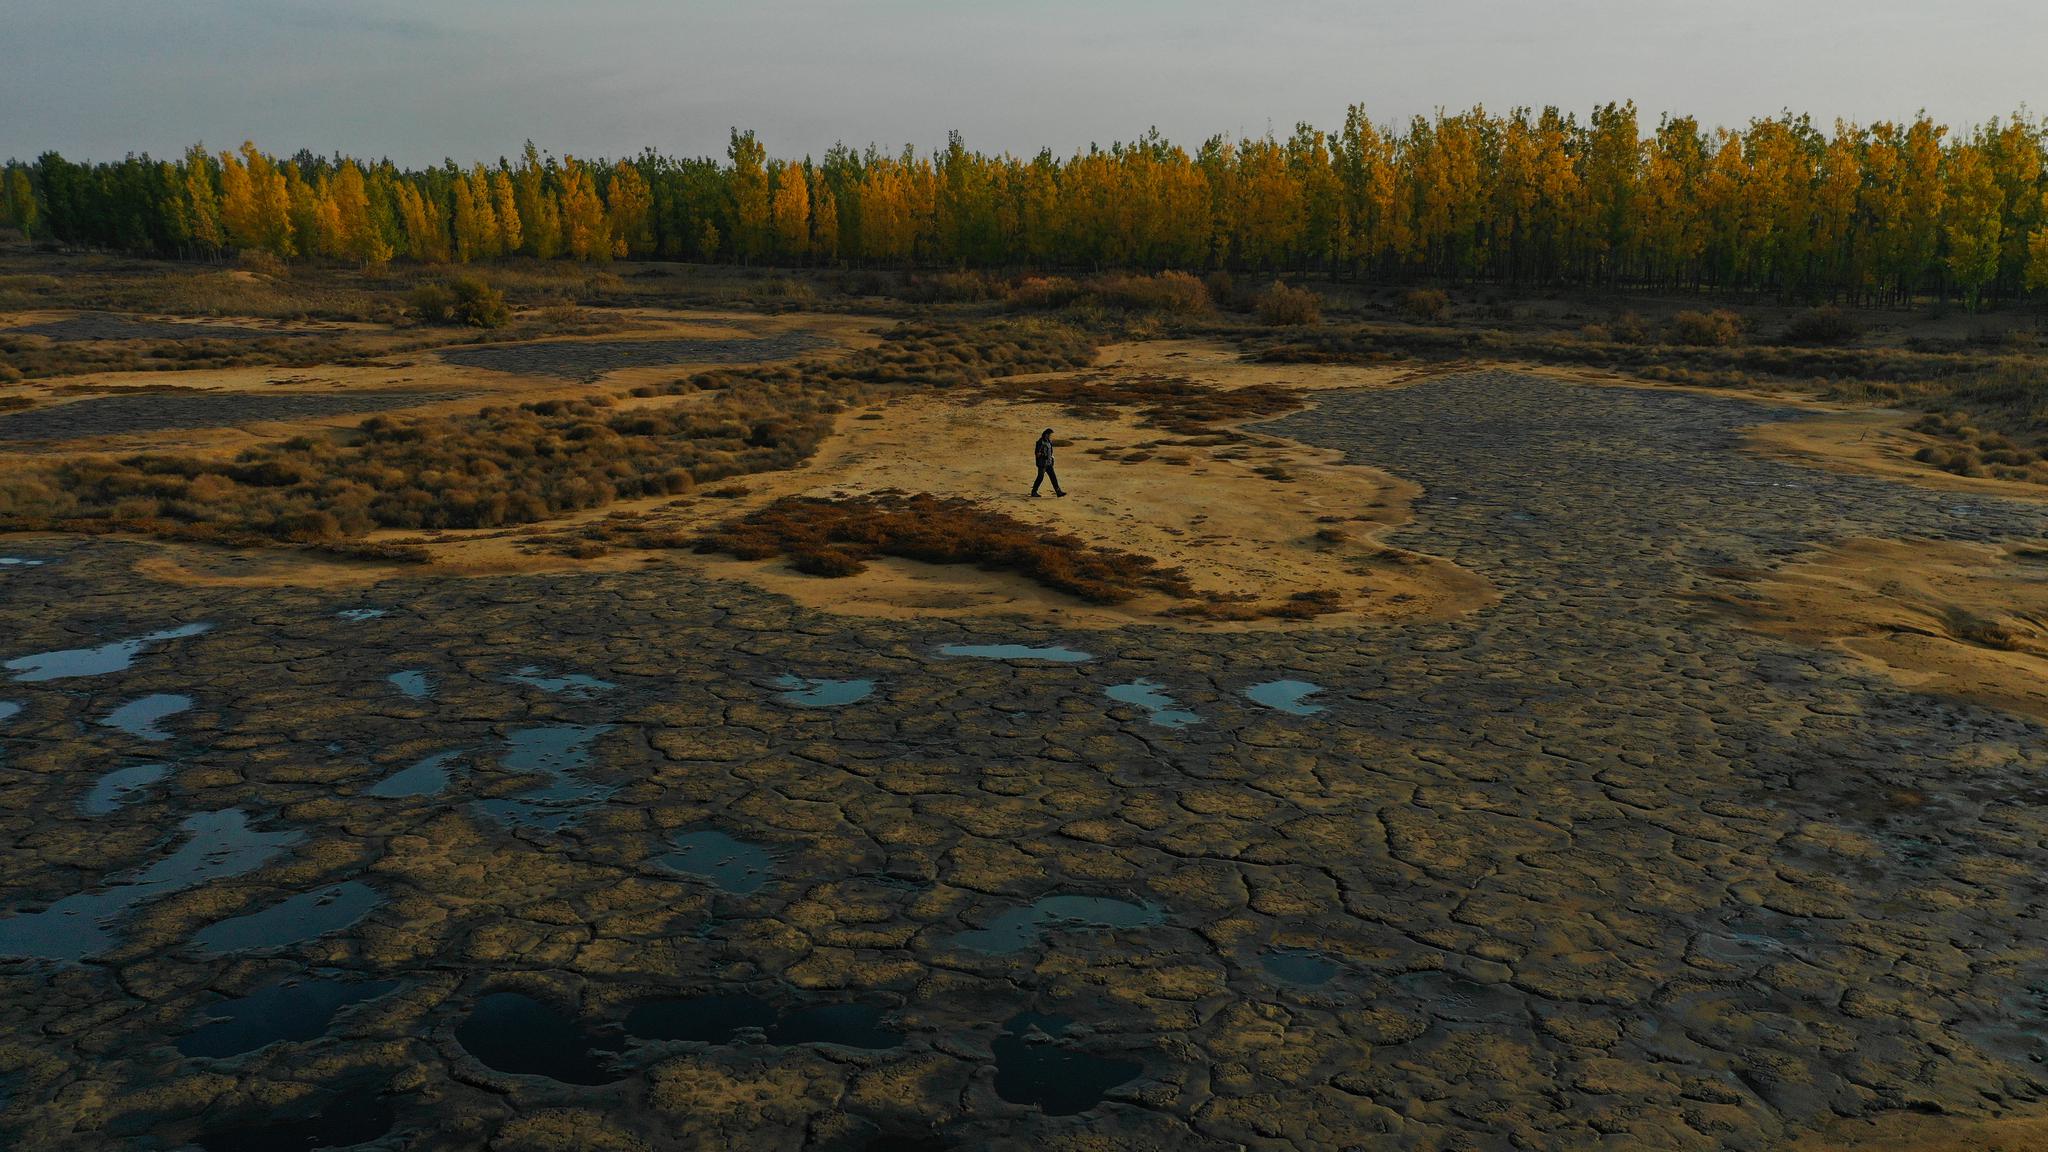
x: 1628, y: 328
x: 465, y: 301
x: 1175, y: 293
x: 1173, y: 403
x: 1717, y: 329
x: 1045, y: 292
x: 834, y: 537
x: 1426, y: 304
x: 1828, y: 325
x: 1280, y: 306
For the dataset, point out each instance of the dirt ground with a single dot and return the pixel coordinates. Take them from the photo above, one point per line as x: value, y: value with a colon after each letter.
x: 1672, y: 783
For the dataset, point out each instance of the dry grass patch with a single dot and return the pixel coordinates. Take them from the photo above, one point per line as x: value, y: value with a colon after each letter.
x: 1173, y: 403
x: 836, y: 537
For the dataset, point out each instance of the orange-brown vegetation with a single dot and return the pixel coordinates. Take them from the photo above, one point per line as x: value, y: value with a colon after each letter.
x: 835, y: 537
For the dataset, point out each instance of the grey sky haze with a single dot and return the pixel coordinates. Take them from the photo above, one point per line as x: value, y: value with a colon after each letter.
x: 472, y: 79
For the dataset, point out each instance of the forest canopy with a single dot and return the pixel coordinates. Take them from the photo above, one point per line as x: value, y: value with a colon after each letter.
x: 1865, y: 213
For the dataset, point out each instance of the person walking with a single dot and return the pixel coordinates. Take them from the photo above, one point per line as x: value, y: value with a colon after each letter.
x: 1042, y: 452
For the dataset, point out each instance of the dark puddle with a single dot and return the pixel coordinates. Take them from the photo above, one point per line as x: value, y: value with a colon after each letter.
x: 518, y: 1035
x: 7, y: 562
x: 699, y: 1019
x: 1034, y: 1070
x: 1289, y: 696
x: 846, y: 1025
x: 218, y: 844
x: 288, y: 1012
x: 121, y: 786
x: 356, y: 1116
x: 1453, y: 997
x: 110, y: 657
x: 358, y: 615
x: 292, y: 921
x: 9, y: 709
x: 804, y: 692
x: 720, y: 1019
x: 574, y: 685
x: 138, y: 718
x: 732, y: 865
x: 1021, y: 928
x: 557, y: 751
x: 1057, y: 655
x: 429, y: 777
x: 412, y: 682
x: 1165, y: 711
x: 1299, y: 966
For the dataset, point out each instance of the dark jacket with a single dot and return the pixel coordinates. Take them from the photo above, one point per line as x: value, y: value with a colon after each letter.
x: 1043, y: 452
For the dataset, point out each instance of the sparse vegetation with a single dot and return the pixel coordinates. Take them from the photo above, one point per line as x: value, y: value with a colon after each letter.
x: 519, y: 464
x: 1173, y: 403
x: 464, y: 301
x: 1829, y: 325
x: 837, y: 537
x: 1280, y: 306
x: 1426, y: 304
x: 1716, y: 329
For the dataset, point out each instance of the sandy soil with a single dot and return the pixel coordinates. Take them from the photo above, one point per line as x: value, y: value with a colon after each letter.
x: 1957, y: 619
x: 415, y: 370
x: 1237, y: 532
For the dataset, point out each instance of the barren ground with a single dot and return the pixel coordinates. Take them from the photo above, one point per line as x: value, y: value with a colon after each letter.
x: 1673, y: 784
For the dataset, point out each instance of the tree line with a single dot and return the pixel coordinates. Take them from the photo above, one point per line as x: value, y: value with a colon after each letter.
x: 1875, y: 213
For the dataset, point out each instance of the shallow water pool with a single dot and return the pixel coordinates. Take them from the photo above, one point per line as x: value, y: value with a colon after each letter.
x: 1289, y: 696
x: 805, y: 692
x: 732, y: 865
x: 138, y: 718
x: 1055, y: 653
x: 217, y: 845
x: 120, y: 787
x: 1021, y: 928
x: 293, y: 920
x: 114, y: 656
x: 1162, y: 709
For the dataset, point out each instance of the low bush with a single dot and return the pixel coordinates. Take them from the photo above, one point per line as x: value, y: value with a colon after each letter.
x: 1173, y: 403
x: 1426, y: 304
x: 825, y: 537
x: 1827, y: 325
x: 1175, y: 293
x: 1717, y: 329
x: 1280, y: 306
x: 464, y: 301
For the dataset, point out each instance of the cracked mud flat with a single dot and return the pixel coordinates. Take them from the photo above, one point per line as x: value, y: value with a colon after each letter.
x: 1589, y: 866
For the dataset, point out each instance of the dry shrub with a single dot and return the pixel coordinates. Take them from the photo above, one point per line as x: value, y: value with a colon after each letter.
x: 1628, y: 328
x: 1828, y: 325
x: 1222, y: 289
x: 1045, y: 292
x: 835, y: 537
x: 1717, y: 329
x: 955, y: 288
x: 262, y: 263
x: 1280, y: 306
x: 1176, y: 293
x: 1426, y: 304
x: 1174, y: 403
x: 465, y: 301
x: 510, y: 465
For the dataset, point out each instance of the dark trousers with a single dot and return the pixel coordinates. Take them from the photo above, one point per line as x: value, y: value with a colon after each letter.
x: 1045, y: 473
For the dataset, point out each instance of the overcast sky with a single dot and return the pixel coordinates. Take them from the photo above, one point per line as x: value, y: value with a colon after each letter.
x: 419, y: 80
